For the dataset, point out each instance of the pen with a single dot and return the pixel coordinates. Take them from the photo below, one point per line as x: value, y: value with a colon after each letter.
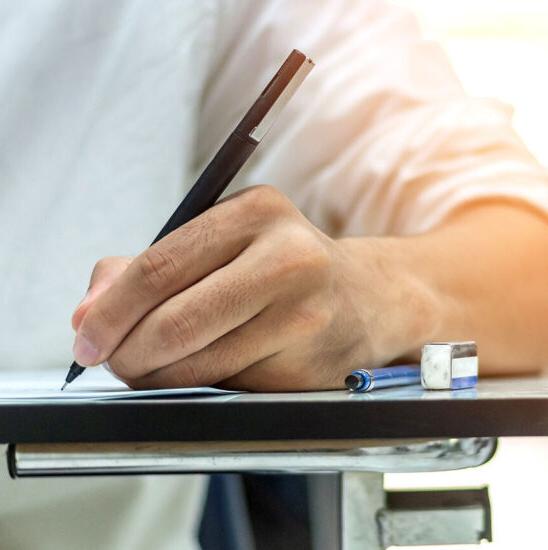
x: 363, y: 380
x: 234, y: 152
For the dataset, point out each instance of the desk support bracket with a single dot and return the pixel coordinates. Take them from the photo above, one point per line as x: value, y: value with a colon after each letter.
x: 60, y: 459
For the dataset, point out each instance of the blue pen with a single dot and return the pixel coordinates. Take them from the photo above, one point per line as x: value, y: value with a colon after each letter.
x: 363, y: 380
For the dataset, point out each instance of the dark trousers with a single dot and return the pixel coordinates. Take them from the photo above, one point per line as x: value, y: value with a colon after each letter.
x: 256, y: 512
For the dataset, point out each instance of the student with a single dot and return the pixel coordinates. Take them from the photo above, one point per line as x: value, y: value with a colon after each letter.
x: 109, y: 109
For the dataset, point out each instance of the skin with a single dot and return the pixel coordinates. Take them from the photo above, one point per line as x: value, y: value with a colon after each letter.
x: 250, y: 295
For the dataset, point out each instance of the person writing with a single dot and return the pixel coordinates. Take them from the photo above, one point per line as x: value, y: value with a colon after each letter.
x: 393, y: 210
x: 252, y: 295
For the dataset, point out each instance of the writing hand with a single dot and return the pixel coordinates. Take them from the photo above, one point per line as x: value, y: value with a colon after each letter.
x: 249, y: 295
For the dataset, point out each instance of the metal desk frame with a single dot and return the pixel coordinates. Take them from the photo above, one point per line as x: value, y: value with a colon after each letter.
x: 350, y: 439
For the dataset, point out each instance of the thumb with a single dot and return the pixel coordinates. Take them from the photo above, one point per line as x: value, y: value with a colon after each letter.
x: 105, y: 272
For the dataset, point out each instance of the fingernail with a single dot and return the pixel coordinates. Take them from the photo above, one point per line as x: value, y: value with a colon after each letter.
x: 85, y: 353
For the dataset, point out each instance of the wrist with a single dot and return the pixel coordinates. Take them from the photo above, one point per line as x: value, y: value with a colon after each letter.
x: 400, y: 306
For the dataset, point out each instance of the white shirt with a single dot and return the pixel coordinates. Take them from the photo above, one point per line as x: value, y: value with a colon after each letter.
x: 109, y: 108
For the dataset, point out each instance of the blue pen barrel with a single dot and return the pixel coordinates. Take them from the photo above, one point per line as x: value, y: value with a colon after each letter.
x: 396, y: 376
x: 366, y: 380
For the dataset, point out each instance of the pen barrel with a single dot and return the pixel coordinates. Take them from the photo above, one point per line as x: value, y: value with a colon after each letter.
x: 402, y: 375
x: 212, y: 182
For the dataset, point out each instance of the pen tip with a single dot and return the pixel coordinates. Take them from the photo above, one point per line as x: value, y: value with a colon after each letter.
x: 64, y: 386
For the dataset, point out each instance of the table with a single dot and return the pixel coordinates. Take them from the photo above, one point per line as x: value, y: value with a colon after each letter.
x: 355, y: 437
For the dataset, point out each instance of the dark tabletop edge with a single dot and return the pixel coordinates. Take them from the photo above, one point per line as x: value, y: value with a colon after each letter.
x: 283, y: 420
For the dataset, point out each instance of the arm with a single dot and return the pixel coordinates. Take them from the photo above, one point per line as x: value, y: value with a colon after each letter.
x: 251, y: 295
x: 484, y: 276
x: 254, y: 295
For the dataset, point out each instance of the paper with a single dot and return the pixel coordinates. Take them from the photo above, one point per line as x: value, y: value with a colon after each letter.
x: 96, y: 384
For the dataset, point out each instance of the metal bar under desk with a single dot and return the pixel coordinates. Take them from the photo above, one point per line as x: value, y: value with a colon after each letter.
x: 60, y: 459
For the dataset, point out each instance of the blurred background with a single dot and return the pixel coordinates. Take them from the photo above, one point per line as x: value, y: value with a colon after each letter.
x: 499, y: 48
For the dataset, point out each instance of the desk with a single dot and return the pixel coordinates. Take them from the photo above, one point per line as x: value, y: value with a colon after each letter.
x: 498, y: 407
x: 300, y: 432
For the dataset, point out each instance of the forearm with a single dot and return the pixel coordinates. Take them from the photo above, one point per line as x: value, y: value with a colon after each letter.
x: 482, y: 276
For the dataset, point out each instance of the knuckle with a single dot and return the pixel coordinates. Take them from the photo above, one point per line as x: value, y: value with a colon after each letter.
x: 107, y: 261
x: 176, y: 330
x: 263, y: 192
x: 107, y: 269
x: 190, y: 375
x: 312, y: 319
x: 202, y: 230
x: 202, y: 370
x: 104, y: 265
x: 308, y: 258
x: 101, y: 264
x: 157, y: 270
x: 265, y: 201
x: 99, y: 268
x: 315, y: 257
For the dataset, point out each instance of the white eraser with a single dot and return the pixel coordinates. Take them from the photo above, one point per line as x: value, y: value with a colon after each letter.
x: 449, y: 365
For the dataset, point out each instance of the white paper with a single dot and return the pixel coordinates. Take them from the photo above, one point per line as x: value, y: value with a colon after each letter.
x: 95, y: 384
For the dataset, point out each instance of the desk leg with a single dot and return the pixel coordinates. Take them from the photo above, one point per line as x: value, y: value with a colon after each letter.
x: 343, y: 510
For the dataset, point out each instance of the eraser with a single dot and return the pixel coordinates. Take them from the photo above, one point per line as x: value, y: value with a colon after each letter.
x: 449, y: 365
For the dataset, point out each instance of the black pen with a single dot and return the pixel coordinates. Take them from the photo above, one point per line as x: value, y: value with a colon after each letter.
x: 234, y: 152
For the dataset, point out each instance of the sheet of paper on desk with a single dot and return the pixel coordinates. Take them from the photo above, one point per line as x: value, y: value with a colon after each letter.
x: 96, y: 384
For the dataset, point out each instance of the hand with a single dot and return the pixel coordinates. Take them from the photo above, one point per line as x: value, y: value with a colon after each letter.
x: 249, y: 295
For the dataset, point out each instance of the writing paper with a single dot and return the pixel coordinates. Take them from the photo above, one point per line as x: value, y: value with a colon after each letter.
x: 95, y: 384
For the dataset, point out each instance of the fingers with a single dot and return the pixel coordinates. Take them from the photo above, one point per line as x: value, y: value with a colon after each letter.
x: 270, y: 352
x: 284, y: 372
x: 192, y: 320
x: 246, y: 345
x: 173, y: 264
x: 105, y: 272
x: 176, y: 263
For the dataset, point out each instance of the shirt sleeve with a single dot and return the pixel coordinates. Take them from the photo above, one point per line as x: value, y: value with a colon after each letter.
x: 381, y: 138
